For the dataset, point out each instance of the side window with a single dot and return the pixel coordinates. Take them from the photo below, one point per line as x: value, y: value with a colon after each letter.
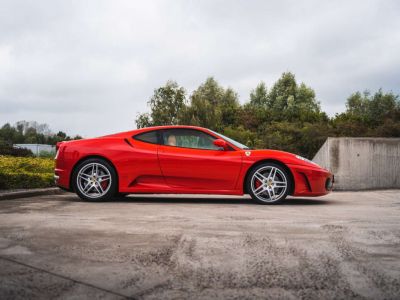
x: 147, y: 137
x: 189, y: 138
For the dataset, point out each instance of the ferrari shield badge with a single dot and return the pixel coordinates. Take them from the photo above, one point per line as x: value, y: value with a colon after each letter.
x: 247, y: 153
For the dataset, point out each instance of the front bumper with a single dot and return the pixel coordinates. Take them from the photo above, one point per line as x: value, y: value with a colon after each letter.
x: 310, y: 181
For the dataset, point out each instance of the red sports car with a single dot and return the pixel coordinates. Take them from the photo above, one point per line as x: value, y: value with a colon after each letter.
x: 183, y: 160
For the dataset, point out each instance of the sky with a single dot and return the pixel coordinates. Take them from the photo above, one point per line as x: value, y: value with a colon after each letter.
x: 89, y: 67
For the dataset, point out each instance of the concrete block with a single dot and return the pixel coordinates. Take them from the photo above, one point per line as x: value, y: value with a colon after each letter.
x: 362, y: 163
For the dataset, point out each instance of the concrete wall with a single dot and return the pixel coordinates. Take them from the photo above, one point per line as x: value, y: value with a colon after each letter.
x: 362, y: 163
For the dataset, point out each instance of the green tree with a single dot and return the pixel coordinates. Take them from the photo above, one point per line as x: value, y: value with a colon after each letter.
x: 143, y: 120
x: 259, y: 96
x: 212, y: 106
x: 290, y: 101
x: 24, y: 132
x: 366, y: 112
x: 244, y: 136
x: 166, y: 104
x: 61, y: 135
x: 282, y: 93
x: 8, y: 133
x: 287, y: 117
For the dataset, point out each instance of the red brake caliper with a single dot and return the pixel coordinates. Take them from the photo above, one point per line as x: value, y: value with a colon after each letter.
x: 104, y: 184
x: 258, y: 183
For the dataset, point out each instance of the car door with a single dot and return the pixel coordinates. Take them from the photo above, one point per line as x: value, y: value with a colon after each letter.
x: 189, y: 160
x: 142, y: 168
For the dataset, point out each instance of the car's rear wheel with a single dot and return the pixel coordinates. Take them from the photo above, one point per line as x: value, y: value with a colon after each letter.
x: 95, y: 180
x: 268, y: 183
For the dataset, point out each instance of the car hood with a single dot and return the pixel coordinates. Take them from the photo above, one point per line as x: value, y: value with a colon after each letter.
x: 283, y: 156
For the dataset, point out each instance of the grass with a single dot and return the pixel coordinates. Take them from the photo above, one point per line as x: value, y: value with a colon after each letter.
x: 26, y: 172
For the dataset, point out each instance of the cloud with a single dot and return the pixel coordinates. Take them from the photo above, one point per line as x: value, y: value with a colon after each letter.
x: 89, y: 67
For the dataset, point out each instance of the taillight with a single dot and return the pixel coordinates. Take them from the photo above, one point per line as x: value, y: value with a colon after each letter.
x: 58, y: 145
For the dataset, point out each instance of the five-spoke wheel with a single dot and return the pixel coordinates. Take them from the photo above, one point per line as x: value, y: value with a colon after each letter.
x: 94, y: 179
x: 268, y: 183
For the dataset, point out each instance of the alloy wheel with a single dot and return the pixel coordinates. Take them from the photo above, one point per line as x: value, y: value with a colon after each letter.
x: 94, y: 180
x: 269, y: 184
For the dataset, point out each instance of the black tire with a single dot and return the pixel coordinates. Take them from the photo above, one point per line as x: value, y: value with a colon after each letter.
x: 121, y: 195
x: 271, y: 188
x: 111, y: 190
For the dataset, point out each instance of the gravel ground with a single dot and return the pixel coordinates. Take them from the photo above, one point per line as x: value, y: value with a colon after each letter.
x: 344, y: 245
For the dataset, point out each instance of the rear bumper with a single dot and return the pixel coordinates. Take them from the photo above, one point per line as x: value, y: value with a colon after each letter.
x: 61, y: 179
x: 310, y: 181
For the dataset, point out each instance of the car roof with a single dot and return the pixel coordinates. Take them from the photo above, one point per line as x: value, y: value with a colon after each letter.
x: 151, y: 128
x: 172, y: 127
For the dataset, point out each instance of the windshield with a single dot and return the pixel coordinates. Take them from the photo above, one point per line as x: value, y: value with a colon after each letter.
x: 237, y: 144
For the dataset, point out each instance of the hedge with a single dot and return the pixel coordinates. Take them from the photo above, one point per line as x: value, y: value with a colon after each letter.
x: 25, y: 172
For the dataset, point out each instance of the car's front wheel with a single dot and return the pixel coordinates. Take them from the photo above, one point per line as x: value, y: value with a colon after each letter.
x: 268, y: 183
x: 95, y: 180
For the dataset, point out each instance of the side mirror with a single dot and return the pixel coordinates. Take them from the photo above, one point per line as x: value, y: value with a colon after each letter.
x: 220, y: 143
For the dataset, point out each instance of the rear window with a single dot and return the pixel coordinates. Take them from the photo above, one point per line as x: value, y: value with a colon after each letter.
x: 147, y: 137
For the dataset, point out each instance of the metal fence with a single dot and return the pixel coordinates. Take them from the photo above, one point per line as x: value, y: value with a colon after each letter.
x: 38, y: 149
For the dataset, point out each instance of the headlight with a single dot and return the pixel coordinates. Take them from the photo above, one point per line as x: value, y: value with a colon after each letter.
x: 305, y: 159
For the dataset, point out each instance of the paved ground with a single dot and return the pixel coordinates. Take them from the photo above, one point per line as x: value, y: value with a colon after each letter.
x: 344, y: 245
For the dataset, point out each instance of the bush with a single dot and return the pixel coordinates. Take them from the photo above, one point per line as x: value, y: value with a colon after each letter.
x: 21, y: 152
x: 26, y: 172
x: 48, y: 154
x: 25, y: 180
x: 6, y: 149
